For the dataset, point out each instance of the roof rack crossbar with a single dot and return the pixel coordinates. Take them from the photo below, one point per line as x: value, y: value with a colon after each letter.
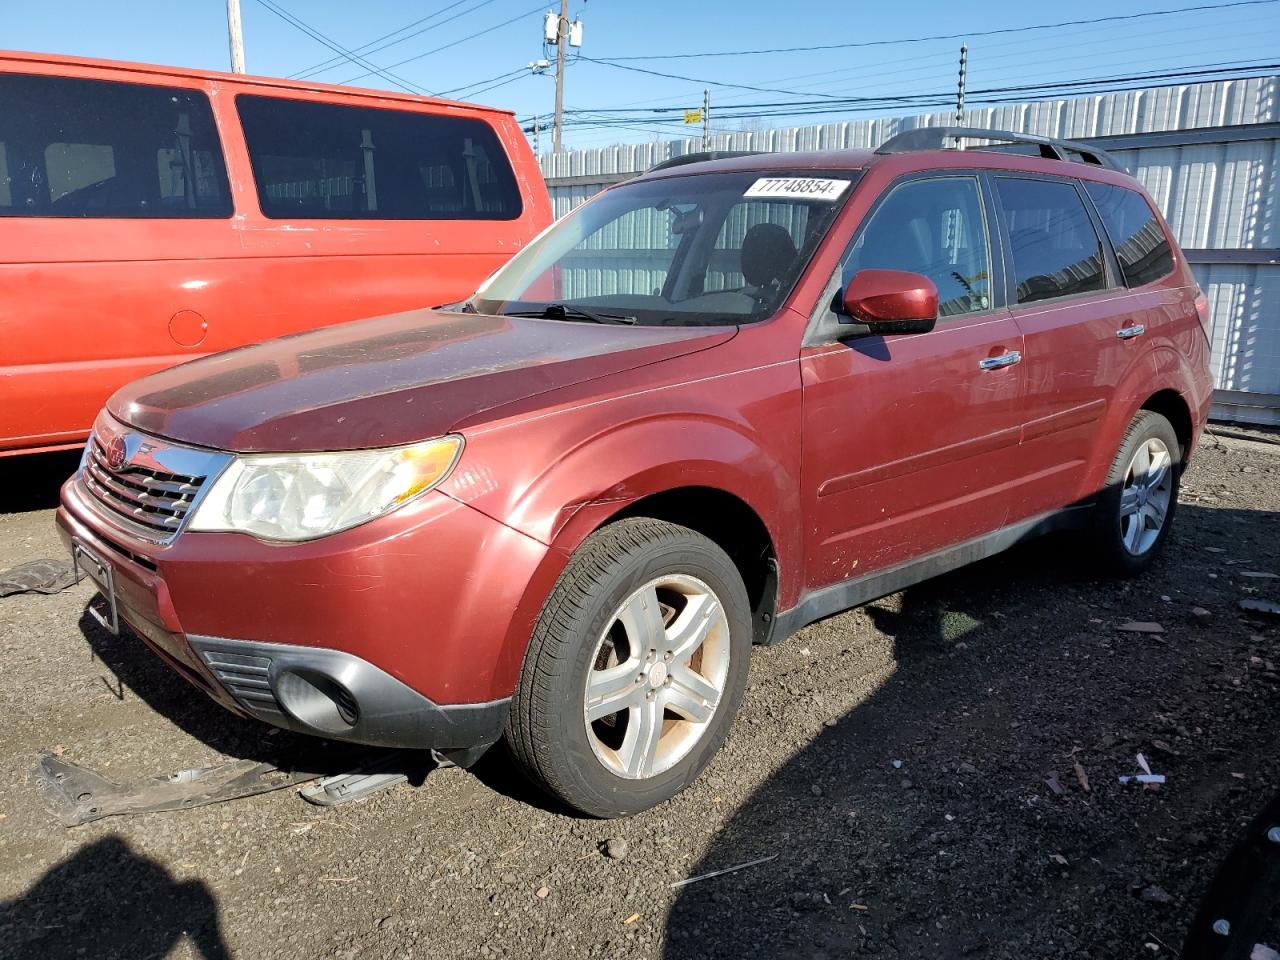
x: 1052, y: 148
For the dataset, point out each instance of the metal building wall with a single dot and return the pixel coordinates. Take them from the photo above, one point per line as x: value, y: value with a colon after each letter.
x: 1208, y: 153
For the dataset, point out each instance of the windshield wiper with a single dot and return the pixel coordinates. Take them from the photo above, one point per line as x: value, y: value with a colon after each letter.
x: 569, y: 311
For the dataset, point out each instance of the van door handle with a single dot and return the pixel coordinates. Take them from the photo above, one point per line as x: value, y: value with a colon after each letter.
x: 1128, y: 333
x: 1004, y: 360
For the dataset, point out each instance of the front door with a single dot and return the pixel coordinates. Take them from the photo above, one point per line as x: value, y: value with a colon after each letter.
x: 909, y: 440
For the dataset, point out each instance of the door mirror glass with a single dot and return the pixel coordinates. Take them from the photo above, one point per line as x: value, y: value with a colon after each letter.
x: 892, y: 301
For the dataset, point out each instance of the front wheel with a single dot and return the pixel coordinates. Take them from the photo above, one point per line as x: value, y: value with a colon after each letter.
x: 635, y: 670
x: 1134, y: 512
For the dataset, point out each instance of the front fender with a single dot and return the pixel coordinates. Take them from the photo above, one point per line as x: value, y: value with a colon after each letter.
x: 561, y: 500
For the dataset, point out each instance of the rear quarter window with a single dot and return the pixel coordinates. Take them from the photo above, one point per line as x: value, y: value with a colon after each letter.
x: 1141, y: 246
x: 1056, y: 251
x: 95, y: 148
x: 332, y: 161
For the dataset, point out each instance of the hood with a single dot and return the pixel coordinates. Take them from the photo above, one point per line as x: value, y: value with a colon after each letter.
x: 386, y: 381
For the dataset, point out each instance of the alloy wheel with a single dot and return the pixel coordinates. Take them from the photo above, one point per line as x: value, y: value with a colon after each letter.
x: 657, y: 677
x: 1145, y: 496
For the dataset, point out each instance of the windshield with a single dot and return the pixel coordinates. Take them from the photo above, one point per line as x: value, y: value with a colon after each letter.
x: 711, y: 248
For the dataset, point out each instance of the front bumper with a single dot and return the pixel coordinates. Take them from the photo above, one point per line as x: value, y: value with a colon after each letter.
x: 406, y: 632
x: 339, y: 695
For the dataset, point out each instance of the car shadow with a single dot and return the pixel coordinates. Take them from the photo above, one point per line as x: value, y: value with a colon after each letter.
x: 108, y: 901
x: 942, y: 816
x: 133, y: 667
x: 33, y: 481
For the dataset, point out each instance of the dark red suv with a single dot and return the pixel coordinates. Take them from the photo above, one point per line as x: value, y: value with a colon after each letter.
x: 712, y: 405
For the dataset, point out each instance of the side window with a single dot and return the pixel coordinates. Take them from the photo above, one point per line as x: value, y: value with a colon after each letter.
x: 331, y: 161
x: 1139, y: 241
x: 96, y: 148
x: 1056, y: 251
x: 933, y: 227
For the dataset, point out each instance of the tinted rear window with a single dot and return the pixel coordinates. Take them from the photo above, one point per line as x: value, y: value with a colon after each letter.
x: 95, y: 148
x: 1140, y: 243
x: 328, y: 161
x: 1056, y: 251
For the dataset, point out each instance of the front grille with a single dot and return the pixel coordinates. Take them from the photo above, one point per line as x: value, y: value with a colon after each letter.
x: 245, y: 678
x: 156, y: 501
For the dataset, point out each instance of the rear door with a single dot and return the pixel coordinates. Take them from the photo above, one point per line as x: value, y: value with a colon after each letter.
x: 909, y: 440
x: 1065, y: 296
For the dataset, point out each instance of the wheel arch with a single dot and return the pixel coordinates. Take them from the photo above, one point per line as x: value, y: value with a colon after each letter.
x: 1171, y: 405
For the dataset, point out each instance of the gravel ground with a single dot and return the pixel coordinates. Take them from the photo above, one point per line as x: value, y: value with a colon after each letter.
x: 910, y: 767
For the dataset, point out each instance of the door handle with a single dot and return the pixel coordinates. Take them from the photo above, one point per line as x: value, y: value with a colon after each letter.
x: 1004, y: 360
x: 1128, y: 333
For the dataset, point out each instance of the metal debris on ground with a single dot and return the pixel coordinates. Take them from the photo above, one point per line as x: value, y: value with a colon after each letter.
x: 1052, y: 783
x: 721, y: 873
x: 1146, y: 776
x: 1261, y: 606
x: 375, y: 775
x: 38, y: 576
x: 77, y: 795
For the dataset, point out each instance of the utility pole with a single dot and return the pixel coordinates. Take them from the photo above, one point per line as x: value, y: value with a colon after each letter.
x: 537, y: 144
x: 562, y: 38
x: 706, y: 119
x: 236, y: 36
x: 964, y: 66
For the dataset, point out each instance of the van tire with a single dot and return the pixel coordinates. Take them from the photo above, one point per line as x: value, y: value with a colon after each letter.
x: 547, y: 729
x: 1106, y: 537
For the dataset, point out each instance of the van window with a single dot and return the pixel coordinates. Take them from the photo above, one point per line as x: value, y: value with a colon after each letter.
x: 1056, y: 251
x: 328, y: 161
x: 95, y: 148
x: 932, y: 227
x: 1139, y: 241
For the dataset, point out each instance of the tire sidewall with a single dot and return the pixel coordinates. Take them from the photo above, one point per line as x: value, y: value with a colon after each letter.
x: 605, y: 793
x: 1146, y: 426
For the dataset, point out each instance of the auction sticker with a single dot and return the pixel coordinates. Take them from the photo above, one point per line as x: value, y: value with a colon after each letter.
x: 796, y: 188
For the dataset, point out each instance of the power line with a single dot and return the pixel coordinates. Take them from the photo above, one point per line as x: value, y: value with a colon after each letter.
x: 480, y: 83
x: 1021, y: 52
x: 365, y: 47
x: 333, y: 45
x: 943, y: 36
x: 1004, y: 94
x: 454, y: 43
x: 721, y: 83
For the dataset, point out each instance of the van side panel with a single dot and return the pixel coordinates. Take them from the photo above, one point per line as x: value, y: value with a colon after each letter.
x: 92, y: 303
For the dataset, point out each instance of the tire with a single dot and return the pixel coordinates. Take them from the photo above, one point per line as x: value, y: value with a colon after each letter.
x: 1122, y: 548
x: 600, y: 625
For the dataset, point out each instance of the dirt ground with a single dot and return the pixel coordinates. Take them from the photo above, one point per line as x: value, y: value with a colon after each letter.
x: 909, y: 766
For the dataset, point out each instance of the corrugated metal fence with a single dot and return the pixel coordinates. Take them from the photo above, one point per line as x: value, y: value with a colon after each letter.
x: 1208, y: 153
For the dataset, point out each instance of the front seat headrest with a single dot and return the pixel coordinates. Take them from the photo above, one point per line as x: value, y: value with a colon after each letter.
x: 767, y: 254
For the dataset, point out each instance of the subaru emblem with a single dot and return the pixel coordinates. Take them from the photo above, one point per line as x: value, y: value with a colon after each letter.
x: 116, y: 453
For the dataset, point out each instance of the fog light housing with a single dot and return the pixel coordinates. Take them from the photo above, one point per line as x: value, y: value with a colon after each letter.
x: 317, y: 700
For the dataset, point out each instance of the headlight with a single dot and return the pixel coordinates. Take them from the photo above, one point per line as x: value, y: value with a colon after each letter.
x: 308, y: 495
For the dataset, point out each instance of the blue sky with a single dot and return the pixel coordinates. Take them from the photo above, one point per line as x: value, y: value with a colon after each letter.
x: 193, y: 33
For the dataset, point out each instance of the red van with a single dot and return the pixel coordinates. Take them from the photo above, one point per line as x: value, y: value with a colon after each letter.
x: 150, y: 215
x: 708, y: 407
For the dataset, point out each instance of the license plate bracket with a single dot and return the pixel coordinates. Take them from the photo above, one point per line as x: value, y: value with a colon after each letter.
x: 85, y: 561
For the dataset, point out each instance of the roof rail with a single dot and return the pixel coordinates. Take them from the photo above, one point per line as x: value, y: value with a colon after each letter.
x: 934, y: 138
x: 700, y: 156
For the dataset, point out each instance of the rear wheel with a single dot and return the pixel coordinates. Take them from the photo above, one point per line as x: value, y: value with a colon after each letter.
x: 635, y: 669
x: 1135, y: 510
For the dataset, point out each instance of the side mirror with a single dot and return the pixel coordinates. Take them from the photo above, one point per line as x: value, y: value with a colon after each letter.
x: 891, y: 301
